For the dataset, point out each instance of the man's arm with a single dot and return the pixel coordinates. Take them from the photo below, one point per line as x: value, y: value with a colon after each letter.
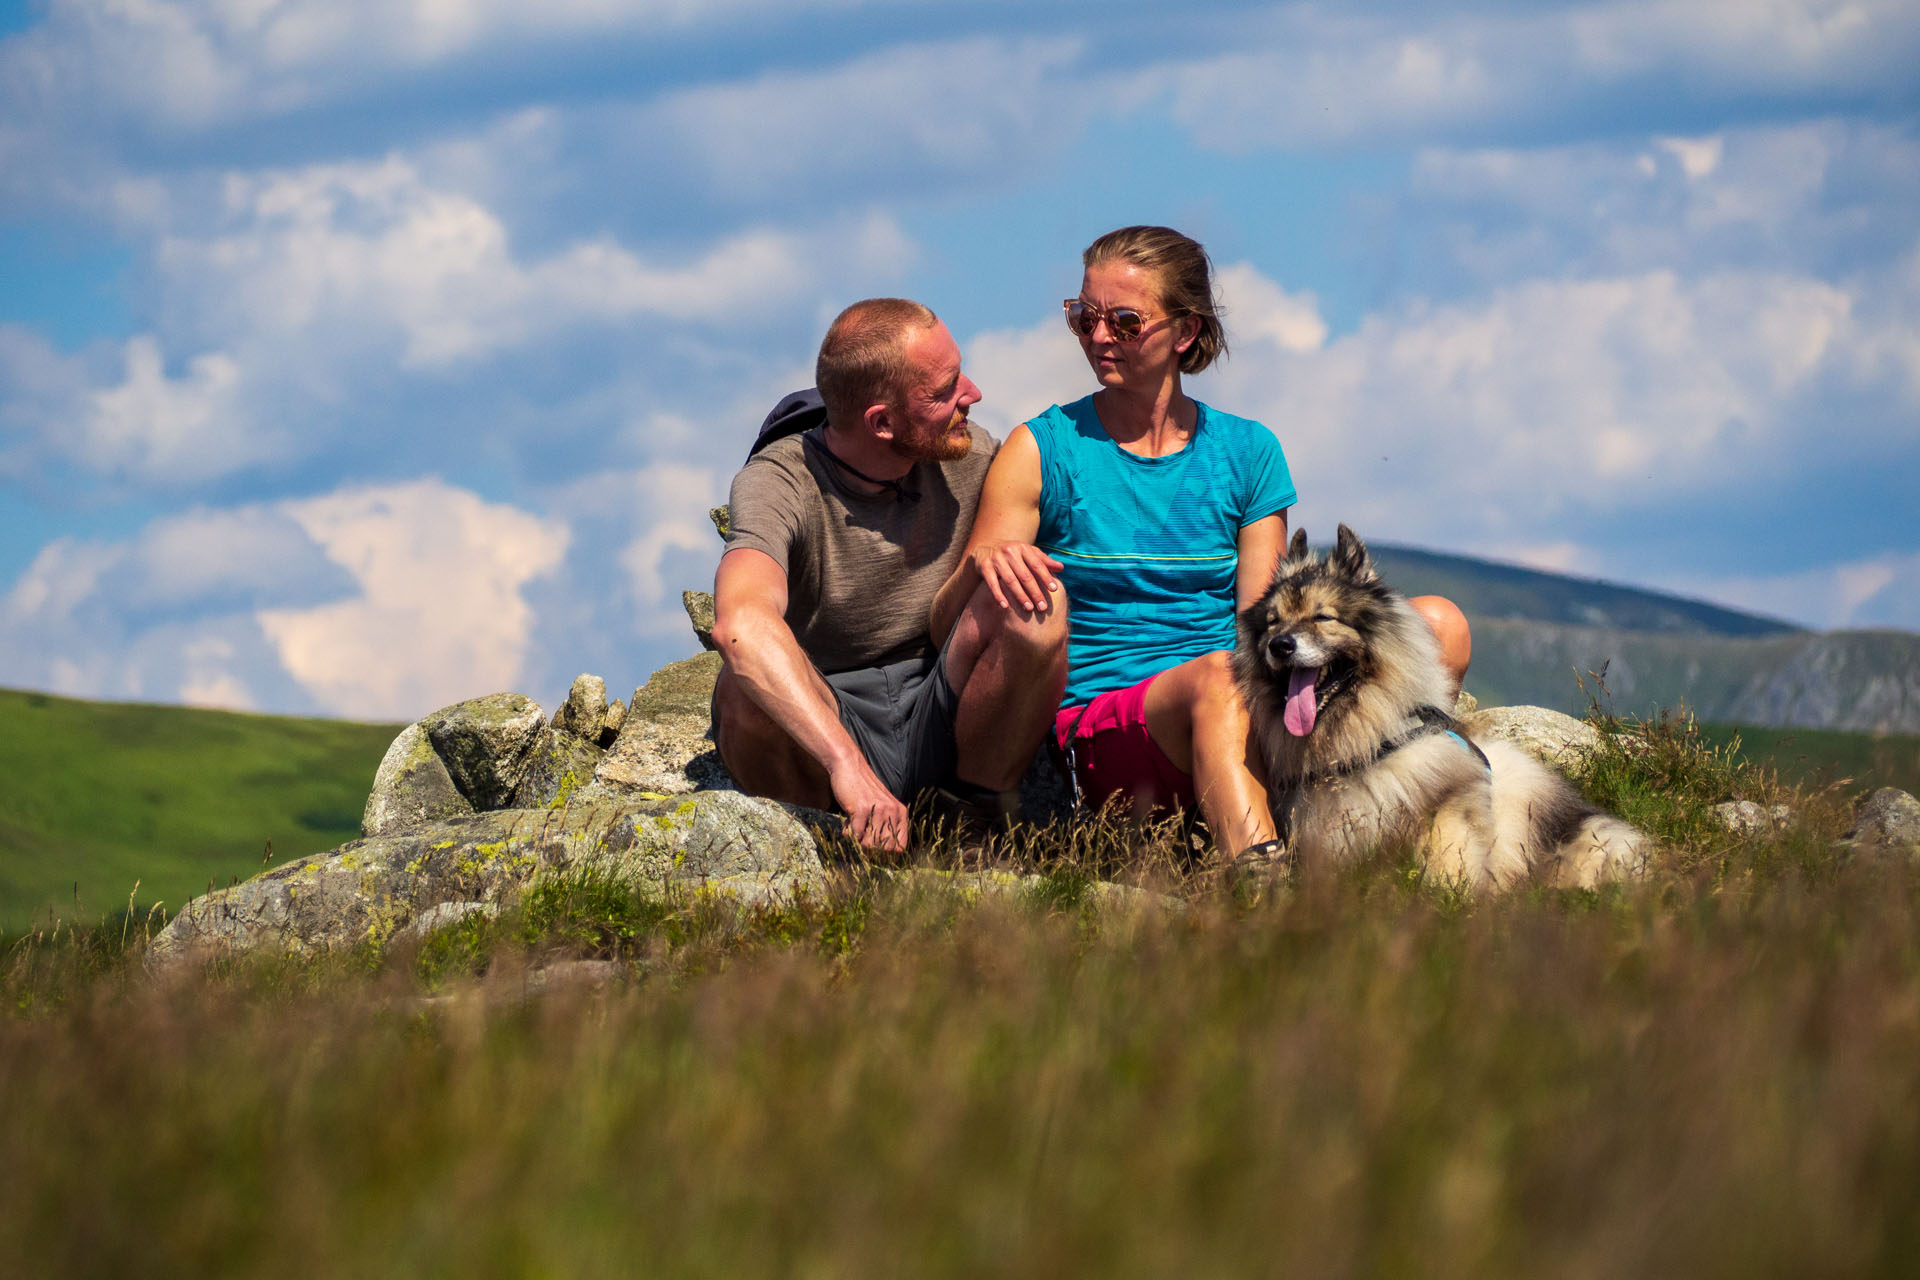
x: 1000, y: 550
x: 760, y: 651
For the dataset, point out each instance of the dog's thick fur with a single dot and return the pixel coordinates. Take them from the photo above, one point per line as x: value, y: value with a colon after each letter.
x: 1336, y: 670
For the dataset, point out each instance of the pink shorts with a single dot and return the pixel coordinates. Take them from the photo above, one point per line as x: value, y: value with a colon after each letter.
x: 1113, y: 755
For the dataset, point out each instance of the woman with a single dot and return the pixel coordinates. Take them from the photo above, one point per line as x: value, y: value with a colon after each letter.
x: 1161, y: 517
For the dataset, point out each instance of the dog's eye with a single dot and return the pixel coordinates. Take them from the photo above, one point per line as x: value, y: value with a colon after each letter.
x: 1326, y: 615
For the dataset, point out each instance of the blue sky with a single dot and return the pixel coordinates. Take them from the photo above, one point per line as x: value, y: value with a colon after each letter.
x: 357, y: 356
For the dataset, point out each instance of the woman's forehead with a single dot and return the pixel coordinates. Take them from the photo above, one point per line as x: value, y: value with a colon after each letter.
x: 1117, y: 280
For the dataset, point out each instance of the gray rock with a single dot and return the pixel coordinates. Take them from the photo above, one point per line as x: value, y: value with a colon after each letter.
x: 1551, y: 737
x: 722, y: 518
x: 1464, y: 705
x: 364, y: 893
x: 412, y: 786
x: 446, y: 914
x: 1745, y: 818
x: 584, y: 709
x: 559, y: 766
x: 485, y: 743
x: 610, y: 723
x: 699, y: 607
x: 664, y: 748
x: 1888, y: 818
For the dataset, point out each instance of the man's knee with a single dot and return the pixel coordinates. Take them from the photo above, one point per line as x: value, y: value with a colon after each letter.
x: 1036, y: 632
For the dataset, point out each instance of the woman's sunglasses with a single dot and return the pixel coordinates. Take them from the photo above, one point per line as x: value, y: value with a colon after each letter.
x: 1124, y: 323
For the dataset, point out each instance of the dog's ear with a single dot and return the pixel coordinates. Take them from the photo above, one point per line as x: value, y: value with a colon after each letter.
x: 1350, y: 556
x: 1297, y: 552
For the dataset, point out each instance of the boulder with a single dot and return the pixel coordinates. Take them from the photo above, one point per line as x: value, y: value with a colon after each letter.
x: 485, y: 743
x: 1889, y: 818
x: 585, y: 707
x: 1554, y: 738
x: 559, y: 766
x: 1745, y: 818
x: 722, y: 518
x: 699, y: 607
x: 664, y: 748
x: 412, y: 786
x: 611, y: 721
x: 365, y: 893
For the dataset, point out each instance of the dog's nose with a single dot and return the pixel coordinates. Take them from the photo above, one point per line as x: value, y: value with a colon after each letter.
x: 1280, y: 646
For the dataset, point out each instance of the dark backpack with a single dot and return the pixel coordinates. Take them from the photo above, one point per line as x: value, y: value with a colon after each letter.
x: 797, y: 411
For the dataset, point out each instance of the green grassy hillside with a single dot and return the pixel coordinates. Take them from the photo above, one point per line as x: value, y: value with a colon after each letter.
x: 96, y: 797
x: 1822, y: 757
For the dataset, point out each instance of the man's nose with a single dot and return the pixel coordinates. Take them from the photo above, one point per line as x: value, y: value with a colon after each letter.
x: 969, y: 393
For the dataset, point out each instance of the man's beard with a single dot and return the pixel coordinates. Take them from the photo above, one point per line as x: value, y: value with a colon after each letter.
x: 942, y: 446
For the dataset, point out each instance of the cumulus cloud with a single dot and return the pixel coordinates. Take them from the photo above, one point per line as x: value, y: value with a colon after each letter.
x: 318, y: 290
x: 439, y: 616
x: 1522, y: 425
x: 173, y: 66
x: 1828, y: 197
x: 1306, y: 75
x: 380, y: 602
x: 1877, y: 591
x: 368, y: 254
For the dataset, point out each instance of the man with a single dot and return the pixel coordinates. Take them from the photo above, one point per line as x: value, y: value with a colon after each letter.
x: 836, y: 689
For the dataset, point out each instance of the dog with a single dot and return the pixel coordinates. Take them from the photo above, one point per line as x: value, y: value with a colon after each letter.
x: 1349, y: 707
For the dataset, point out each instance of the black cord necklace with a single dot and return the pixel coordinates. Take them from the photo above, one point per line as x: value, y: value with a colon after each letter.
x: 900, y: 492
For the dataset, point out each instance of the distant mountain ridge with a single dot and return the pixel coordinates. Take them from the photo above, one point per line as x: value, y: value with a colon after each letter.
x: 1538, y: 635
x: 1490, y: 589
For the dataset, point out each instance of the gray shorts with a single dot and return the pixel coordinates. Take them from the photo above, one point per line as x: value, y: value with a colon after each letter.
x: 901, y: 718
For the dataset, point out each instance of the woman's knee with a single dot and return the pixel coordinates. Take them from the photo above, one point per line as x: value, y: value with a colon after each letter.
x: 1450, y: 628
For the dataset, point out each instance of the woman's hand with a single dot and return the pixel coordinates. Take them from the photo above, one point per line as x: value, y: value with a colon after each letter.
x: 1017, y: 572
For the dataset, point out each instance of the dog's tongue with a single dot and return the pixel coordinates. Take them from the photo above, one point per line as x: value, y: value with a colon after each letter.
x: 1301, y: 707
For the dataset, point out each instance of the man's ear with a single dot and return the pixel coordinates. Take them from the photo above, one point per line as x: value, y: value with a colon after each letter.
x: 879, y: 421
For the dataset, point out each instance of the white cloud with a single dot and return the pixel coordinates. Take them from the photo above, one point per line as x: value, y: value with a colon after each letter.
x: 1022, y: 371
x: 1520, y: 420
x: 378, y: 602
x: 362, y: 255
x: 183, y: 65
x: 1308, y: 75
x: 440, y: 616
x: 1826, y: 196
x: 1878, y: 591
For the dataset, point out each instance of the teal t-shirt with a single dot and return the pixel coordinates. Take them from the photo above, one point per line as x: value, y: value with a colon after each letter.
x: 1149, y: 545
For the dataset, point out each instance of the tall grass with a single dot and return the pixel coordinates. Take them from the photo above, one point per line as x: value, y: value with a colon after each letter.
x: 1709, y: 1072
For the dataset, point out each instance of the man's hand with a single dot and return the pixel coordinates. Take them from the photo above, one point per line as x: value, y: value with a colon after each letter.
x: 875, y: 817
x: 1017, y: 571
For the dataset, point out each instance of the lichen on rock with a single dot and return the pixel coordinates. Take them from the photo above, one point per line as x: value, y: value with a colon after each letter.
x: 485, y: 743
x: 412, y: 786
x: 665, y: 746
x: 365, y: 893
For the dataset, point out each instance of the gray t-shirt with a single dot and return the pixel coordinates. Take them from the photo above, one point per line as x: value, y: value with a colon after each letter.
x: 861, y: 572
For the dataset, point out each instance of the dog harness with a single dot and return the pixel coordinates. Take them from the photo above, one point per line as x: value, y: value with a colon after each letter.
x: 1432, y: 720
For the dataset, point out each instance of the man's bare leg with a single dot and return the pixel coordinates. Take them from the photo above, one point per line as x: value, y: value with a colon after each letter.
x: 1195, y: 715
x: 762, y: 757
x: 1009, y: 666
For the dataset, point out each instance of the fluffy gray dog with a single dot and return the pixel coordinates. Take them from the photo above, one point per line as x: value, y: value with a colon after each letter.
x: 1350, y: 712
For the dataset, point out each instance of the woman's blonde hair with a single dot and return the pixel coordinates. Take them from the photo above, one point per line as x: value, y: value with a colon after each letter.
x: 1184, y: 275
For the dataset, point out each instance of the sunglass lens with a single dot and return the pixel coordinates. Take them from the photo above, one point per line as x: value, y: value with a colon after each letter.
x: 1080, y: 318
x: 1125, y: 323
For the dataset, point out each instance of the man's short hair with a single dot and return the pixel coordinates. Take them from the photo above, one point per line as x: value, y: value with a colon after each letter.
x: 863, y: 359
